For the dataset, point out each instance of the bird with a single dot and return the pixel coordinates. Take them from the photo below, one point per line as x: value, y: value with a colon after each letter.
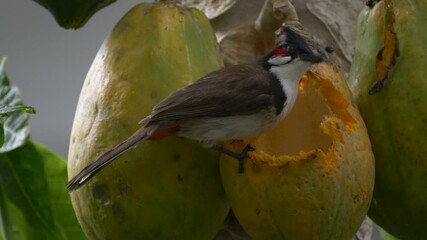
x: 232, y: 103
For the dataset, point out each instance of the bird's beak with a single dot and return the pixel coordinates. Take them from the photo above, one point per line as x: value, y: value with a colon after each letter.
x: 311, y: 57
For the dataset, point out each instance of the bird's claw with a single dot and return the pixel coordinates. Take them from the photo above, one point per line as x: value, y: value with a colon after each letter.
x: 243, y: 155
x: 239, y: 156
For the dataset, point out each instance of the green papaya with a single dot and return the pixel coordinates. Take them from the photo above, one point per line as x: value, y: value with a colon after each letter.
x: 168, y: 189
x: 390, y: 59
x: 73, y: 13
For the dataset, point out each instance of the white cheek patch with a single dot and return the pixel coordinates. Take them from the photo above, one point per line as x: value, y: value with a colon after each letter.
x: 279, y: 60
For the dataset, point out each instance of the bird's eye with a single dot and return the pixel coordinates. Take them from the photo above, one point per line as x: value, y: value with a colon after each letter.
x: 292, y: 50
x: 280, y: 52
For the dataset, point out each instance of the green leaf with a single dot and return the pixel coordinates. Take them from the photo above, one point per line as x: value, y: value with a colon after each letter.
x: 387, y: 236
x: 32, y: 180
x: 73, y: 13
x: 1, y: 135
x: 13, y: 114
x: 5, y: 110
x: 63, y: 213
x: 10, y: 214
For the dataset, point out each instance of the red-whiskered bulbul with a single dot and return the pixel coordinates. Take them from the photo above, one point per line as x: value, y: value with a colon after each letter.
x: 232, y: 103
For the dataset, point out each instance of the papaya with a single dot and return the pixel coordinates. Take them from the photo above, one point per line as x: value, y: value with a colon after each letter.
x: 390, y: 63
x: 168, y: 189
x: 73, y: 13
x: 312, y: 176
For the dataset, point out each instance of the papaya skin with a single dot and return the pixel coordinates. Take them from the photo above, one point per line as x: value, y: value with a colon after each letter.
x: 168, y: 189
x: 312, y: 176
x: 396, y: 117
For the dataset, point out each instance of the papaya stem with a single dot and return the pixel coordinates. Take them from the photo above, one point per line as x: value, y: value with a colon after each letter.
x: 272, y: 14
x: 267, y: 21
x: 370, y: 3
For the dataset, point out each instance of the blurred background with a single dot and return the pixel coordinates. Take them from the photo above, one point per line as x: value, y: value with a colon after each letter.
x: 49, y: 63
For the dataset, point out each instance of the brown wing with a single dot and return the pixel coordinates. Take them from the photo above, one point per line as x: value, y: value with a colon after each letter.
x: 236, y: 90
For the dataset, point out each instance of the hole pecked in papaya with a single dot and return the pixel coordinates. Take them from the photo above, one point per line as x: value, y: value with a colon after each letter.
x: 299, y: 131
x: 319, y: 119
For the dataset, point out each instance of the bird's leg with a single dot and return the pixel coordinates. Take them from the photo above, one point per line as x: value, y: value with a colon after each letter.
x: 239, y: 156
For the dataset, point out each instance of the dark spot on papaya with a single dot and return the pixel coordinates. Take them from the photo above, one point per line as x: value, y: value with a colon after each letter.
x: 100, y: 194
x: 309, y: 157
x: 119, y: 54
x: 95, y: 109
x: 356, y: 199
x: 313, y: 156
x: 255, y: 167
x: 118, y: 212
x: 123, y: 188
x: 153, y: 95
x: 257, y: 211
x: 179, y: 178
x: 123, y: 78
x: 322, y: 208
x: 176, y: 157
x: 124, y: 26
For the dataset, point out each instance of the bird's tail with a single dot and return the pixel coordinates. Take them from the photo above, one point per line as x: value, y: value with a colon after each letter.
x: 107, y: 157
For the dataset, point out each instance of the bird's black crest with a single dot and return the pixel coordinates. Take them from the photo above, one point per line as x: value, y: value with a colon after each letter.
x: 296, y: 40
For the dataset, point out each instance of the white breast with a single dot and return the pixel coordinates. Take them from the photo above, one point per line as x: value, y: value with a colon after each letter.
x: 289, y: 76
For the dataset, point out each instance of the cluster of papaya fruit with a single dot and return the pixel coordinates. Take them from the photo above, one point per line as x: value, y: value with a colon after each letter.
x: 311, y: 177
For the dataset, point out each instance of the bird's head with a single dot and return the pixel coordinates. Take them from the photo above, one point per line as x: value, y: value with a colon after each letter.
x: 294, y: 48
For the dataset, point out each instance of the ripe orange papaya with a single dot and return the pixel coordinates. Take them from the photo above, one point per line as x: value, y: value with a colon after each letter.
x: 169, y: 189
x: 312, y: 176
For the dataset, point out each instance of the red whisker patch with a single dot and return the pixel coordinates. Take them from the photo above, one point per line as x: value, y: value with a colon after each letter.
x: 279, y: 52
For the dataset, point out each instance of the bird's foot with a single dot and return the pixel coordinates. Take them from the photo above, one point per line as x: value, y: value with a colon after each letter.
x: 242, y: 156
x: 239, y: 156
